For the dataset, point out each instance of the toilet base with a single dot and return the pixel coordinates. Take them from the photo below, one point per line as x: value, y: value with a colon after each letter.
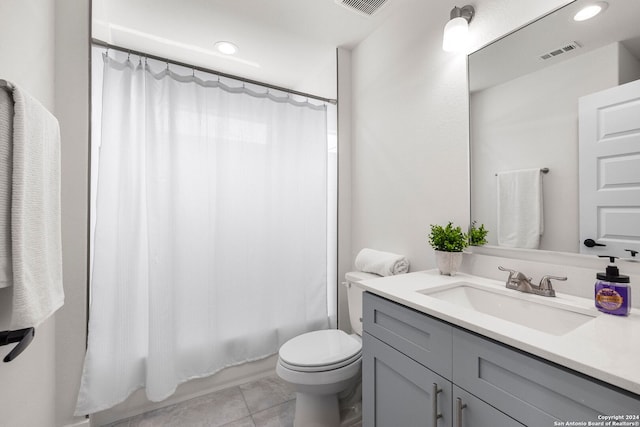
x: 316, y: 410
x: 350, y: 402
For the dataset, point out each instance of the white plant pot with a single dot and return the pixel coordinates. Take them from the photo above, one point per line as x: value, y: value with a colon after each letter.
x: 448, y: 262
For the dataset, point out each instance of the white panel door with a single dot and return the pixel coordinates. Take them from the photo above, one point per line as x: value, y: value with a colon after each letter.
x: 609, y: 153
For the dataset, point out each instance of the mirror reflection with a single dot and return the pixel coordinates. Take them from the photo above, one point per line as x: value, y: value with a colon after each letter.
x: 542, y: 98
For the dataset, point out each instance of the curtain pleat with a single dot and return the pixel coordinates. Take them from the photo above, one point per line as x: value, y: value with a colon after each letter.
x: 210, y: 243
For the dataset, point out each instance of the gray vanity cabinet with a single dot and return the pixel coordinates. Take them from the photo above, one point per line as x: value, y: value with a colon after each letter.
x: 407, y: 370
x: 484, y: 384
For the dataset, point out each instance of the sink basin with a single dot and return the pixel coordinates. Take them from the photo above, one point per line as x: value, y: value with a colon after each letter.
x: 544, y: 315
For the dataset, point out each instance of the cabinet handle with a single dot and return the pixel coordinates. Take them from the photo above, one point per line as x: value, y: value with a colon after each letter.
x: 459, y: 407
x: 434, y: 402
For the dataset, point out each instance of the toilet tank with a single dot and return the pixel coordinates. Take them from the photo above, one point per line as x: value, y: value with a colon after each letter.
x: 354, y: 297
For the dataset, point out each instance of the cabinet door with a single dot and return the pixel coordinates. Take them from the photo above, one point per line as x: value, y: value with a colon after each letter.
x: 469, y: 411
x: 398, y: 391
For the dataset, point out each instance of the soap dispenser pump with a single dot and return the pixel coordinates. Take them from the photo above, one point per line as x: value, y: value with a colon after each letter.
x: 612, y: 290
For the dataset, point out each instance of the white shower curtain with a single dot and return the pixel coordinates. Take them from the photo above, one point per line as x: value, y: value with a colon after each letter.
x: 210, y: 238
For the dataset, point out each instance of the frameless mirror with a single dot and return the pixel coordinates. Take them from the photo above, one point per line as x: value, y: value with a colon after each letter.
x: 524, y: 96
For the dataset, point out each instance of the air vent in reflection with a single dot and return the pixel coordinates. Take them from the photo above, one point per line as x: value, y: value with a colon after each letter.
x: 568, y: 47
x: 365, y: 7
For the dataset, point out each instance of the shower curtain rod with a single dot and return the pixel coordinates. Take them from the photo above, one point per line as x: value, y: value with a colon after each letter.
x: 101, y: 43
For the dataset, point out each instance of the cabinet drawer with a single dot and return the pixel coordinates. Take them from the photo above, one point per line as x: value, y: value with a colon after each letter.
x: 532, y: 391
x: 398, y: 391
x: 476, y: 413
x: 422, y: 338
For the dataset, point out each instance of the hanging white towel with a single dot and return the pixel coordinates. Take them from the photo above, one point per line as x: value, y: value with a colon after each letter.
x: 6, y: 144
x: 36, y: 243
x: 381, y: 263
x: 520, y: 219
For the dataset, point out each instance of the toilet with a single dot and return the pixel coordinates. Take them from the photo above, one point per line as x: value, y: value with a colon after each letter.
x: 321, y: 365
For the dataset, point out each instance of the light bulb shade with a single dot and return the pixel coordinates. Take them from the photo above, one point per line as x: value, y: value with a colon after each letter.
x: 590, y: 11
x: 225, y: 47
x: 456, y: 35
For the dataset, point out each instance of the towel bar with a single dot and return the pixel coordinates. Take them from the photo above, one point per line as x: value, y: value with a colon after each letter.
x: 22, y: 336
x: 543, y: 170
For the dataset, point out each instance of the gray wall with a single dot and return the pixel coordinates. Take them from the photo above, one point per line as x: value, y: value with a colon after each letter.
x: 27, y: 395
x: 72, y: 109
x: 44, y: 49
x: 409, y: 140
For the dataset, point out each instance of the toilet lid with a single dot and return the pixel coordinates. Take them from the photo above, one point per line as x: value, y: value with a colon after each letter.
x: 320, y: 348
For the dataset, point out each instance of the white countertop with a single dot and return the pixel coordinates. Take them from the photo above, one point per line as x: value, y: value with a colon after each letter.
x: 606, y: 348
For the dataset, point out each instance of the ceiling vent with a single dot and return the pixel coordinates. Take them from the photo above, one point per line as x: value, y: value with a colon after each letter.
x: 568, y: 47
x: 364, y: 7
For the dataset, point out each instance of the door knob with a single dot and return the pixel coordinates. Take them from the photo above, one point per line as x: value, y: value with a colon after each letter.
x: 591, y: 243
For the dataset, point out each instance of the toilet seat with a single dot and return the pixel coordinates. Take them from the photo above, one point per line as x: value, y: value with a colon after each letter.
x: 322, y: 368
x: 319, y: 351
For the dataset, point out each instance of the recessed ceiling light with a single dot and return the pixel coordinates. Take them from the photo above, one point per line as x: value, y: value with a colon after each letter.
x: 590, y: 11
x: 227, y: 48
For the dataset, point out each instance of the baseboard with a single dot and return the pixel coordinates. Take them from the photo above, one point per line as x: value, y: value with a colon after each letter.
x: 84, y: 423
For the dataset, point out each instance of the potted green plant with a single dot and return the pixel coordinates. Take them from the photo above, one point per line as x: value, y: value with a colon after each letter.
x: 448, y: 242
x: 477, y: 235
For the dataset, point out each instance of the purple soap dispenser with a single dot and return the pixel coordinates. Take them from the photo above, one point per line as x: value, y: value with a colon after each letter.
x: 613, y: 292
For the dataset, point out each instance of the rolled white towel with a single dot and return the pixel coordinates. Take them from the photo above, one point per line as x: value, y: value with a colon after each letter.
x: 381, y: 263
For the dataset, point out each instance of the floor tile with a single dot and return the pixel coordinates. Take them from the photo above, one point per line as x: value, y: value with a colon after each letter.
x: 266, y: 392
x: 212, y: 410
x: 277, y: 416
x: 267, y: 402
x: 245, y: 422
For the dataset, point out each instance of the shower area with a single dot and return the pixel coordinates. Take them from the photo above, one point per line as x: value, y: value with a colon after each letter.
x: 213, y: 227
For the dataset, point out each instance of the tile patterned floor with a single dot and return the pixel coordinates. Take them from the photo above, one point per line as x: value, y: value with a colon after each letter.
x: 267, y: 402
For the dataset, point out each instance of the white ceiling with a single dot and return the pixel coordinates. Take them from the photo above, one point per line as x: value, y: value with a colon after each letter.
x: 287, y: 43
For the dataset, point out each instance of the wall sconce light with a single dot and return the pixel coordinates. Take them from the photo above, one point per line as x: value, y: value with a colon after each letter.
x: 456, y: 32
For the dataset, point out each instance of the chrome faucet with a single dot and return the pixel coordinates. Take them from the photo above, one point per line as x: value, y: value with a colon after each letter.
x: 522, y: 283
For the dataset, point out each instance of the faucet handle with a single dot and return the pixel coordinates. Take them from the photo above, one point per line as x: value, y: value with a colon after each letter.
x: 511, y: 272
x: 545, y: 282
x: 514, y: 275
